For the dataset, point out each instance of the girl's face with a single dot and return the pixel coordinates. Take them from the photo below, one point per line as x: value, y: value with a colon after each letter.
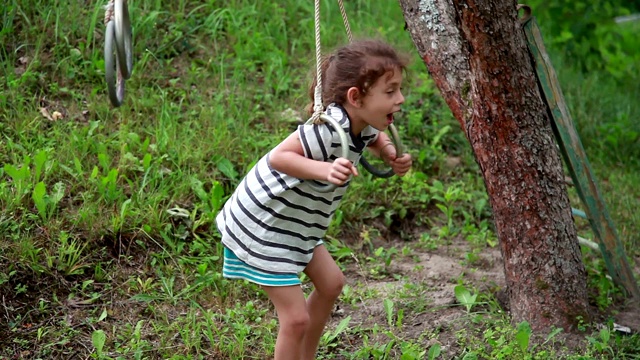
x: 380, y: 103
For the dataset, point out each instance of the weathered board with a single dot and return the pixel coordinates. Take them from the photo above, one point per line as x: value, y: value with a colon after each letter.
x: 576, y: 160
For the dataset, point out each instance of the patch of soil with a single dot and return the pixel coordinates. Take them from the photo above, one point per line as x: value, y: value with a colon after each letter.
x: 422, y: 285
x: 434, y: 274
x: 628, y: 318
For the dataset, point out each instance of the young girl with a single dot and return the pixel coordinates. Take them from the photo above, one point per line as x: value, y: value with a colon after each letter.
x: 273, y: 224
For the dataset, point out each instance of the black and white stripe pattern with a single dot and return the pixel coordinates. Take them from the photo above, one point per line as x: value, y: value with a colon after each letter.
x: 274, y: 221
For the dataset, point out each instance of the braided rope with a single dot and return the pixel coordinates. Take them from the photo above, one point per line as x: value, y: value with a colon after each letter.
x: 317, y: 96
x: 108, y: 12
x: 317, y: 100
x: 345, y: 20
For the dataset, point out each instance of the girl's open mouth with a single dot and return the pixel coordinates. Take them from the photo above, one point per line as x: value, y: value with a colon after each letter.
x: 390, y: 118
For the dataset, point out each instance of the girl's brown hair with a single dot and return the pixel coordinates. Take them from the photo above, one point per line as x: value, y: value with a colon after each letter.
x: 358, y: 64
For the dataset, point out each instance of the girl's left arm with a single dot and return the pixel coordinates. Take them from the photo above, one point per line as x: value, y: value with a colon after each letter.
x: 381, y: 143
x: 384, y: 148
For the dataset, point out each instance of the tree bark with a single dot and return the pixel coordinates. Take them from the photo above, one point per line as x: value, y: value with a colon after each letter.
x: 476, y: 53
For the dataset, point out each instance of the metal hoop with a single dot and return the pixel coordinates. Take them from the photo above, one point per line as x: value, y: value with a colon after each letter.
x: 124, y: 48
x: 115, y: 87
x: 344, y: 148
x: 397, y: 144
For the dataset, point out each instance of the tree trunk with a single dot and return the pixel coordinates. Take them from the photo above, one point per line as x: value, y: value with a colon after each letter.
x: 477, y: 54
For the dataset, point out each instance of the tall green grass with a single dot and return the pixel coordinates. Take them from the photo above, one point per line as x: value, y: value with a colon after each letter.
x: 107, y: 243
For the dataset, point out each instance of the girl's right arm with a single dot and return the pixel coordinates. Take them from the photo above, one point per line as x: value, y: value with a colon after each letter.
x: 288, y: 157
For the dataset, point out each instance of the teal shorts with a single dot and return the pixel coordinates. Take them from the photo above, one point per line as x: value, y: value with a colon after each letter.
x: 235, y: 268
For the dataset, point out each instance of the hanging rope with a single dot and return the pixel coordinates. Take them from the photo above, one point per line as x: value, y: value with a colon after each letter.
x: 345, y: 20
x: 317, y: 96
x: 108, y: 12
x: 318, y: 116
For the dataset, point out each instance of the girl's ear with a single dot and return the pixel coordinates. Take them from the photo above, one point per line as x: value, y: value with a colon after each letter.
x: 354, y: 97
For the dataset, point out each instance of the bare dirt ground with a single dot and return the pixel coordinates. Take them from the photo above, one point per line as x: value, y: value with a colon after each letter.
x: 435, y: 273
x: 431, y: 305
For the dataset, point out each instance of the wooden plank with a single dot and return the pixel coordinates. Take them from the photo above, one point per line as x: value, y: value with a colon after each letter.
x: 579, y: 168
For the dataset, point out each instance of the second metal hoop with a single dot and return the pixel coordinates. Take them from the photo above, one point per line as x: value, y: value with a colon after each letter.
x: 112, y: 68
x: 124, y: 46
x: 398, y: 145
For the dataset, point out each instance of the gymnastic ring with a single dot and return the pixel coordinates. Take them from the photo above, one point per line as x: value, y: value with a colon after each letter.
x: 398, y: 145
x: 344, y: 148
x: 124, y: 47
x: 112, y: 72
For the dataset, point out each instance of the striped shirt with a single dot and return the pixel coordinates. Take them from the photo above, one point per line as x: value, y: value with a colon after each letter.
x: 274, y: 221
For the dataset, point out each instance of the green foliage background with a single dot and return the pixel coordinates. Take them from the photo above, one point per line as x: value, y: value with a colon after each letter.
x: 592, y: 50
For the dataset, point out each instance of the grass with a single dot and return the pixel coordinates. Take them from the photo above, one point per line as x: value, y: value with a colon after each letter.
x: 107, y: 243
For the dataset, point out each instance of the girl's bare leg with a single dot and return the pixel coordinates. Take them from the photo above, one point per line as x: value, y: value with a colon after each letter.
x: 293, y: 318
x: 328, y: 281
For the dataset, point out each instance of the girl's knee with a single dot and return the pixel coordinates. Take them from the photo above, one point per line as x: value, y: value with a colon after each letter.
x: 295, y: 323
x: 334, y: 288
